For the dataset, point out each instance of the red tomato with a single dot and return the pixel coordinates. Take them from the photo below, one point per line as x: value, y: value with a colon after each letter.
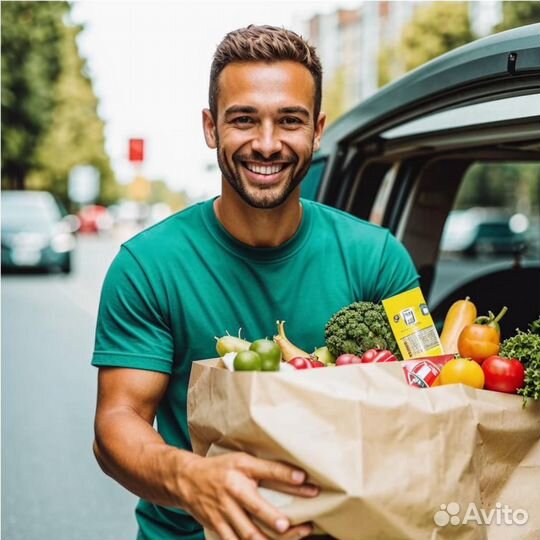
x: 299, y: 362
x: 347, y: 359
x: 316, y: 364
x: 378, y: 355
x: 503, y: 374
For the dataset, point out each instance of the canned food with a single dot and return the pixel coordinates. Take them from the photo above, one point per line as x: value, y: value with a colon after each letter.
x: 424, y: 372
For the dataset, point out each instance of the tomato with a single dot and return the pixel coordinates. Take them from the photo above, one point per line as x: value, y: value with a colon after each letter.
x: 378, y: 355
x: 270, y: 353
x: 478, y: 341
x: 347, y: 359
x: 317, y: 364
x: 462, y: 370
x: 299, y: 362
x: 503, y: 374
x: 247, y: 361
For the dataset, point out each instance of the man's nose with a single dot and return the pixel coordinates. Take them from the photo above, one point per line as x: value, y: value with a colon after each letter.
x: 267, y: 141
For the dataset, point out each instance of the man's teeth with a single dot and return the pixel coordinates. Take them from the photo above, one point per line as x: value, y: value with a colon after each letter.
x: 264, y: 169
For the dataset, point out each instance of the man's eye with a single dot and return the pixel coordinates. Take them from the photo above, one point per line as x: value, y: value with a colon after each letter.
x: 243, y: 120
x: 291, y: 121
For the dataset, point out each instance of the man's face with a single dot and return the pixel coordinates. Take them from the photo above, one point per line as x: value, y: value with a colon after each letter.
x: 265, y: 133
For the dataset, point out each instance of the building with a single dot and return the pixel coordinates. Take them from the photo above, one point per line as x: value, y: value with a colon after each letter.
x: 349, y: 42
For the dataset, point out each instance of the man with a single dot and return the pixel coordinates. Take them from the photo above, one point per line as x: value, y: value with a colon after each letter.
x: 253, y: 255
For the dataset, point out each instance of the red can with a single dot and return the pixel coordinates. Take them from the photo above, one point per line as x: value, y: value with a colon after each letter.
x: 423, y: 372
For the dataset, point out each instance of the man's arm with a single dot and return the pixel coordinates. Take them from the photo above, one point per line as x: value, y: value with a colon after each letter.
x: 220, y: 492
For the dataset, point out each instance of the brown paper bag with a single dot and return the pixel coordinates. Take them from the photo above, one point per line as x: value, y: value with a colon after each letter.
x: 393, y: 462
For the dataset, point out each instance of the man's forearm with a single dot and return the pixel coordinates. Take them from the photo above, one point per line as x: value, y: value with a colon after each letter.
x: 129, y: 450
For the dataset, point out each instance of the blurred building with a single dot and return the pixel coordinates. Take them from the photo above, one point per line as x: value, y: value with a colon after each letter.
x: 349, y: 41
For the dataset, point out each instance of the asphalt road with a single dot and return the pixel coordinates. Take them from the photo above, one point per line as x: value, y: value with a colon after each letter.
x: 52, y: 487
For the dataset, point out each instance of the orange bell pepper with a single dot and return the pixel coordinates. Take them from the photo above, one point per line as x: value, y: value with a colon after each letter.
x: 481, y: 339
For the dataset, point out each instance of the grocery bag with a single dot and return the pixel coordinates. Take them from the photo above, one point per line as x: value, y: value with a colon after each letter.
x: 394, y: 462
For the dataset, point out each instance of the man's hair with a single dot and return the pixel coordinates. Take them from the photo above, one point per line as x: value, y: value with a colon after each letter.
x: 264, y: 44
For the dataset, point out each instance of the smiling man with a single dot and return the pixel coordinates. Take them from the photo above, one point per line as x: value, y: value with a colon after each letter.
x: 253, y: 255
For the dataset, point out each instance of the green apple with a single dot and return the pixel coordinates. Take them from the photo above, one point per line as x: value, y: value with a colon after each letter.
x: 270, y: 353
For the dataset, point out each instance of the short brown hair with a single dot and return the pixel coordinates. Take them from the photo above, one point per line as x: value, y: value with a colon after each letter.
x: 264, y: 44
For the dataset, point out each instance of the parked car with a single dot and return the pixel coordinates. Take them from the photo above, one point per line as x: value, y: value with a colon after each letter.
x: 401, y: 156
x: 484, y: 231
x: 36, y: 232
x: 94, y: 218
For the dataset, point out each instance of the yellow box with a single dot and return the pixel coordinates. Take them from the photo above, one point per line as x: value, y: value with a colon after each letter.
x: 412, y: 325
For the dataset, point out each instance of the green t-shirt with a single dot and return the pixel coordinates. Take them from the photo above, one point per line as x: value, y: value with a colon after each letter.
x: 176, y: 285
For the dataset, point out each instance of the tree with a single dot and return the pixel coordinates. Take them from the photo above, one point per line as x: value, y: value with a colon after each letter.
x: 514, y: 186
x: 519, y: 14
x: 76, y: 132
x: 50, y: 121
x: 32, y: 36
x: 435, y: 28
x: 334, y: 102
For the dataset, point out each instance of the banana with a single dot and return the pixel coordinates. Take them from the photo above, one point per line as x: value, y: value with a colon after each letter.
x: 288, y: 350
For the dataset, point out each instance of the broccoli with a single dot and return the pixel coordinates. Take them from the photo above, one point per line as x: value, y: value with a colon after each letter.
x: 359, y: 327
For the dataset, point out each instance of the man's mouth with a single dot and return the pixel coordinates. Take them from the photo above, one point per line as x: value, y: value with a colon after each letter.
x: 265, y: 170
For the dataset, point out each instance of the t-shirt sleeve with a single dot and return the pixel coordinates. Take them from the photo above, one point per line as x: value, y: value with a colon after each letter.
x: 397, y: 272
x: 131, y: 329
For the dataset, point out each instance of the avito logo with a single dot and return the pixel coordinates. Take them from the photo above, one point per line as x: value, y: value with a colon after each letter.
x: 448, y: 514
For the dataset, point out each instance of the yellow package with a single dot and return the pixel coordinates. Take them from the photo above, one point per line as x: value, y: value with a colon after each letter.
x: 412, y: 325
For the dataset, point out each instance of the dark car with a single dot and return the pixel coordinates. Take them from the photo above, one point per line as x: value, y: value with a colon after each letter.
x: 36, y: 232
x: 410, y: 155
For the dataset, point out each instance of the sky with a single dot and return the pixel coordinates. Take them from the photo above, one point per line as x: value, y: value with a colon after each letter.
x: 150, y: 62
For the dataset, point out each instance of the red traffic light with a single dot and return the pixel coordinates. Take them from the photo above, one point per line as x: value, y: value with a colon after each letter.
x: 136, y: 150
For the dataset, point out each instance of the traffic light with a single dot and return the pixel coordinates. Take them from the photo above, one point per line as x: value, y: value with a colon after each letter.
x: 136, y: 150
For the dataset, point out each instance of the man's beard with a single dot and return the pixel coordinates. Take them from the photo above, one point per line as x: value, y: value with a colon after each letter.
x: 266, y: 197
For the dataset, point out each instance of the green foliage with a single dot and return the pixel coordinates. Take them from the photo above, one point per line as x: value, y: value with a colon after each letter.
x: 390, y: 64
x: 519, y: 14
x: 436, y: 28
x: 525, y: 347
x: 334, y: 101
x: 507, y: 185
x: 50, y: 121
x: 359, y: 327
x: 76, y: 132
x: 32, y: 36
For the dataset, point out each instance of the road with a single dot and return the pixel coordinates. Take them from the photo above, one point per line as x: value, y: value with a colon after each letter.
x: 51, y: 484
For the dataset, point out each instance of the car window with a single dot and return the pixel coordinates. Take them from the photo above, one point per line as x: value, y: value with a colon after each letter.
x: 381, y: 200
x: 494, y: 224
x: 511, y: 108
x: 28, y: 210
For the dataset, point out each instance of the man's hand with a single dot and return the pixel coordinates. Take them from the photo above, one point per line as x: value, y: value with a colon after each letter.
x: 221, y: 493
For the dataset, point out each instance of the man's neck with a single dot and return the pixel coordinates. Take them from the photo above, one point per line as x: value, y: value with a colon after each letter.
x: 257, y: 227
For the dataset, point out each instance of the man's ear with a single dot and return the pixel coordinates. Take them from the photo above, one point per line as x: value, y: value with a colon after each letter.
x: 209, y: 128
x: 319, y: 128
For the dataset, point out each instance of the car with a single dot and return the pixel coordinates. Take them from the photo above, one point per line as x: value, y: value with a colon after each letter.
x: 94, y: 218
x: 37, y: 233
x: 484, y: 231
x: 459, y: 132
